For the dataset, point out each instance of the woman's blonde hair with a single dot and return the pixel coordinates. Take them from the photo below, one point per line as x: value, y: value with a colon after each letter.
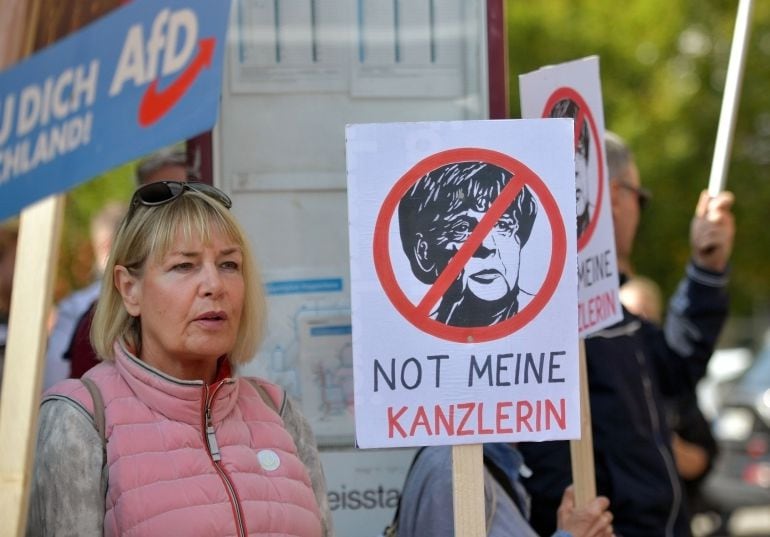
x: 148, y: 233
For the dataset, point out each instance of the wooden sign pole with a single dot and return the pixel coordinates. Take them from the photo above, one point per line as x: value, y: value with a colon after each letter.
x: 36, y: 255
x: 468, y: 490
x: 468, y: 460
x: 582, y: 451
x: 730, y: 99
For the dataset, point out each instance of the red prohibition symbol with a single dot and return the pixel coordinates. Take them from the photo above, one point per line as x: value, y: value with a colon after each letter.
x: 583, y: 115
x: 419, y: 314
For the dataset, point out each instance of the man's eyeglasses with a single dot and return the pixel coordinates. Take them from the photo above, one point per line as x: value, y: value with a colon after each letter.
x: 162, y: 192
x: 643, y: 196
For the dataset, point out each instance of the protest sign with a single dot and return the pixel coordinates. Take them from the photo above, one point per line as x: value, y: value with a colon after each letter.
x: 573, y: 89
x: 144, y: 76
x: 464, y: 303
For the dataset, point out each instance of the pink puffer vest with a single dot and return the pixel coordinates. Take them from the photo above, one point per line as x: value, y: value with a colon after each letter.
x: 172, y: 471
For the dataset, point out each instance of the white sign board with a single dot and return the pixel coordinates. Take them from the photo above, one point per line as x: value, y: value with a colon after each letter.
x: 464, y: 302
x: 573, y: 90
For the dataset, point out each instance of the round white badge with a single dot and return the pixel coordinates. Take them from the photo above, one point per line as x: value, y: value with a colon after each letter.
x: 268, y: 460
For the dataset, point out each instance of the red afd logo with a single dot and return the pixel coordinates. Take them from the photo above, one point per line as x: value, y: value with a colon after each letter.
x: 503, y: 211
x: 169, y: 48
x: 155, y: 104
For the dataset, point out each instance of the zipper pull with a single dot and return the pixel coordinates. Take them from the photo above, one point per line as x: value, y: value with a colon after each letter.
x: 212, y: 439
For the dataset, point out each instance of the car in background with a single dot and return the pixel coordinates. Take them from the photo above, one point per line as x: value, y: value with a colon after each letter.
x: 725, y: 367
x: 741, y: 475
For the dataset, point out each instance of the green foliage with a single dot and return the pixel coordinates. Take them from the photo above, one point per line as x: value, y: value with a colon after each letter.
x: 76, y: 257
x: 663, y: 65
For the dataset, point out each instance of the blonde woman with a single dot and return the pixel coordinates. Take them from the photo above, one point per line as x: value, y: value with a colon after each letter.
x: 189, y: 447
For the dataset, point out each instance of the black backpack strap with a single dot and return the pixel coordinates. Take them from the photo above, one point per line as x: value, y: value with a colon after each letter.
x: 99, y: 422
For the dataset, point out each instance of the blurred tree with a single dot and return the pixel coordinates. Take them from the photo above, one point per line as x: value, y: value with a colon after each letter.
x: 663, y: 67
x: 76, y: 258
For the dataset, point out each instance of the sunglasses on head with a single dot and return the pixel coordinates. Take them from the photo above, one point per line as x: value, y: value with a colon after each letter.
x: 162, y: 192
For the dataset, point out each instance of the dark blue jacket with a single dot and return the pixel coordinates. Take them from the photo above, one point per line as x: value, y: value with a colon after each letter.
x: 631, y: 367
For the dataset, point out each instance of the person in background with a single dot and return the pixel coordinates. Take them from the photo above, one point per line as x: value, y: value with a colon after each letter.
x: 634, y: 366
x: 694, y: 446
x: 642, y: 296
x: 71, y: 308
x: 168, y: 164
x: 426, y: 505
x: 189, y: 447
x: 72, y: 345
x: 9, y: 231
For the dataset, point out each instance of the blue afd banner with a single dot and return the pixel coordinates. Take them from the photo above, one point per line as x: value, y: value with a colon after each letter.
x: 145, y: 76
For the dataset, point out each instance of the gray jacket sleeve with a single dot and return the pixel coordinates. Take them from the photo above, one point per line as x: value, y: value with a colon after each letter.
x: 427, y: 508
x: 68, y: 486
x: 307, y: 449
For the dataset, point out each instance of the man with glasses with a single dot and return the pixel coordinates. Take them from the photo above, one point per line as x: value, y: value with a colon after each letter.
x: 634, y: 364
